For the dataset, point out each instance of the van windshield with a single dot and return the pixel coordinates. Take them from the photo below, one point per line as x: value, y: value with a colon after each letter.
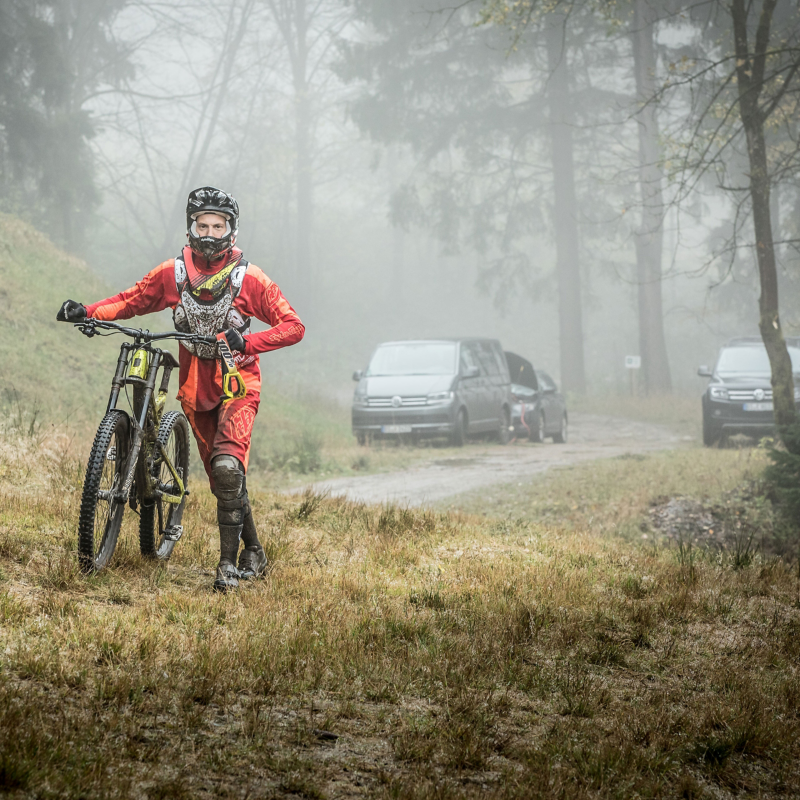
x: 412, y: 358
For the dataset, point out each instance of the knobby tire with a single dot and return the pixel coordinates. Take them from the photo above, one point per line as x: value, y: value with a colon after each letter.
x: 101, y: 518
x: 155, y: 517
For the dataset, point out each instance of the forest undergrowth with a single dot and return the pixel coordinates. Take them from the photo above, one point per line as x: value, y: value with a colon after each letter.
x: 395, y: 653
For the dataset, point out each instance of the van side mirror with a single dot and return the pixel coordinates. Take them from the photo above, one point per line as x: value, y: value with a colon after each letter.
x: 704, y: 372
x: 471, y: 372
x: 358, y: 374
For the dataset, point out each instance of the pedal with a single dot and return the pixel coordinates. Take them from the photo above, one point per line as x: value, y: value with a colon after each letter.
x: 173, y: 533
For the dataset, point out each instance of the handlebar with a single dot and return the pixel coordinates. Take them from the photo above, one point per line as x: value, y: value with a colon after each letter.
x: 89, y: 326
x: 233, y: 385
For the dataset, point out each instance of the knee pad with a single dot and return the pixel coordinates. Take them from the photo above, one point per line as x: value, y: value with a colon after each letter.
x: 229, y: 488
x: 228, y: 475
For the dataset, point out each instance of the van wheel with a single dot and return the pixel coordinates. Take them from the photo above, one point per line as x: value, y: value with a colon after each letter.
x: 503, y: 431
x: 561, y: 436
x: 459, y: 435
x: 361, y: 438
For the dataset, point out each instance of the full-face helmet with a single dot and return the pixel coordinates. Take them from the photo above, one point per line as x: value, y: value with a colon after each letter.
x: 208, y: 200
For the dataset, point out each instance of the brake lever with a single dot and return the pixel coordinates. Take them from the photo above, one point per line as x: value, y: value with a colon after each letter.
x: 86, y: 328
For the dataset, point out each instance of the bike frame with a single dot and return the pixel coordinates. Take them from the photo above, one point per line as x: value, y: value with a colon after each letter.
x: 137, y: 366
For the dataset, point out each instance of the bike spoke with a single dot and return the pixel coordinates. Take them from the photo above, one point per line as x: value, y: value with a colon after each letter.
x: 106, y: 497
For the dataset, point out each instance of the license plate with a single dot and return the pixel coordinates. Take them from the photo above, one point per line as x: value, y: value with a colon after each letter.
x: 758, y: 406
x: 395, y: 429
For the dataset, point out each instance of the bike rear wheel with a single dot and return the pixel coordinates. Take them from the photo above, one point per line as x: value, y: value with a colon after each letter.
x: 159, y: 521
x: 102, y: 501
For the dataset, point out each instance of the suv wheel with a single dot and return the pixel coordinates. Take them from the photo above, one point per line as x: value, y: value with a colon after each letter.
x: 537, y: 431
x: 459, y: 435
x: 561, y: 436
x: 503, y: 431
x: 711, y: 433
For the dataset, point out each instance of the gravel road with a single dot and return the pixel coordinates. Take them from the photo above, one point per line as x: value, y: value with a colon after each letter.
x: 482, y: 464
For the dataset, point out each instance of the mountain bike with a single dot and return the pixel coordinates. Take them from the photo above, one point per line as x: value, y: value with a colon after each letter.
x: 140, y: 457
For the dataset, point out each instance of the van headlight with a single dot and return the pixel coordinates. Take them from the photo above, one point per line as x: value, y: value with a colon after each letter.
x: 718, y: 393
x: 360, y: 400
x: 437, y: 398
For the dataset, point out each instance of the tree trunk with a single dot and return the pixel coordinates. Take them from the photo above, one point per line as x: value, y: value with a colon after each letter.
x: 304, y: 188
x: 398, y: 276
x: 573, y: 374
x: 750, y: 81
x: 305, y: 197
x: 650, y: 236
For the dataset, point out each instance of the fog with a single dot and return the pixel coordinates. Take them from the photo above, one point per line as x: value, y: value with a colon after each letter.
x: 411, y: 169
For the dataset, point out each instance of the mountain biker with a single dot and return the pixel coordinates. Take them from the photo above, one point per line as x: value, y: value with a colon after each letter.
x: 211, y: 288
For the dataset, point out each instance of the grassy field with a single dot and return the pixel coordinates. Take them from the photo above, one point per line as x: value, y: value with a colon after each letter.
x: 539, y: 651
x: 613, y: 496
x: 545, y: 639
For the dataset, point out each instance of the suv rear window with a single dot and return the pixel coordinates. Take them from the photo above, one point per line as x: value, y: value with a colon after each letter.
x: 414, y: 358
x: 545, y: 381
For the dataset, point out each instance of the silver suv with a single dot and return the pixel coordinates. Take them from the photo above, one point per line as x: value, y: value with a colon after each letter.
x: 434, y: 387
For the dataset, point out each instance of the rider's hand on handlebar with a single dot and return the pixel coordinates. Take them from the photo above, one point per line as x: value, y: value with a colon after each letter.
x: 235, y: 340
x: 71, y: 311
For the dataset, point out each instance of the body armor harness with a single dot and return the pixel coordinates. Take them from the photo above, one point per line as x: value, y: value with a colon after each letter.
x: 206, y: 304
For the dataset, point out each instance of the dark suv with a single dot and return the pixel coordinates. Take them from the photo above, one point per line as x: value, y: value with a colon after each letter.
x: 738, y: 398
x: 442, y: 387
x: 539, y: 409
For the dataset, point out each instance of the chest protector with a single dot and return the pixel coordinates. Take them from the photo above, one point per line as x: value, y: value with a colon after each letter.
x: 205, y: 306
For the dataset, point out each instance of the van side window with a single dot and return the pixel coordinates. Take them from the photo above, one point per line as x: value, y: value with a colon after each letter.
x: 468, y: 357
x: 502, y: 364
x: 488, y: 363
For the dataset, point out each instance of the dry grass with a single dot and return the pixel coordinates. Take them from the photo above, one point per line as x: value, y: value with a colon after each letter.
x: 452, y: 655
x: 613, y: 496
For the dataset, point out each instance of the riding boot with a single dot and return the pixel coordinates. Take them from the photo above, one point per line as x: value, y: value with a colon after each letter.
x: 228, y: 488
x: 252, y: 559
x: 227, y: 574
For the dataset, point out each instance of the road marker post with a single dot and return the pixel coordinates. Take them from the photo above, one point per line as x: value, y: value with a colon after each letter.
x: 632, y: 363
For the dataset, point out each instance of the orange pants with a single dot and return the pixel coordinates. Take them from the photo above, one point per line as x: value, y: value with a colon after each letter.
x: 225, y: 430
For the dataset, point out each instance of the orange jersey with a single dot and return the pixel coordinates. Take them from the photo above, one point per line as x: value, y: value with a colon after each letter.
x: 200, y: 379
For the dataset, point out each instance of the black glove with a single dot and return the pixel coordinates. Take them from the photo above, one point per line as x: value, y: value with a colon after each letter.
x: 71, y: 311
x: 235, y: 340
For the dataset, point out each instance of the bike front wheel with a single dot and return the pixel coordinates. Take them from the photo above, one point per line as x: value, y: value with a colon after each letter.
x: 159, y: 520
x: 103, y: 500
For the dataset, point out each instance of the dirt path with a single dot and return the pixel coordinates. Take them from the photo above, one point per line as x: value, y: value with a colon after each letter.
x: 482, y: 464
